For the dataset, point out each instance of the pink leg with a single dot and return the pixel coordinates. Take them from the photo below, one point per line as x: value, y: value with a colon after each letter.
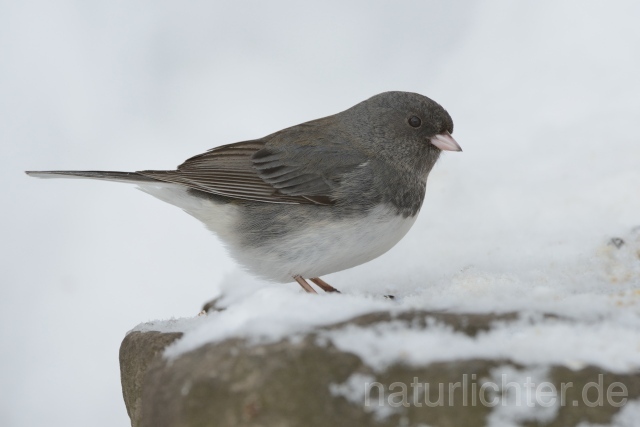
x: 324, y: 285
x: 306, y: 286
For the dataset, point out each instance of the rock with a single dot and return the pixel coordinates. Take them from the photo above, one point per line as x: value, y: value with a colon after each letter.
x: 137, y: 352
x: 309, y: 382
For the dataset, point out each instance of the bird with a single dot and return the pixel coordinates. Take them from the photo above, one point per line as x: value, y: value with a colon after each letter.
x: 312, y: 199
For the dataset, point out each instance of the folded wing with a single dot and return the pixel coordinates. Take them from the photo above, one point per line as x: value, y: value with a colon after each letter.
x: 272, y: 170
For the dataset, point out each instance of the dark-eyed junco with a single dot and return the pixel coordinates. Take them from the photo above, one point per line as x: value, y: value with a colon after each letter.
x: 315, y: 198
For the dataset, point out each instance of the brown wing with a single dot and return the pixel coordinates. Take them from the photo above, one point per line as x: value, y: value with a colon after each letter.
x: 230, y: 170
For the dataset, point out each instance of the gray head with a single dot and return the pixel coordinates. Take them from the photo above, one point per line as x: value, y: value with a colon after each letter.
x: 408, y: 129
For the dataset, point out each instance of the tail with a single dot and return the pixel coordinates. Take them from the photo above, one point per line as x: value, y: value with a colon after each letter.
x: 172, y: 193
x: 131, y: 177
x: 169, y: 192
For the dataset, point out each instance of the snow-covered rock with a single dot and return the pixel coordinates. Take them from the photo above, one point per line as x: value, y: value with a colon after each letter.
x: 557, y: 343
x: 338, y: 375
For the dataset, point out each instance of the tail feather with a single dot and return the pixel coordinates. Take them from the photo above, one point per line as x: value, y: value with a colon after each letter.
x: 169, y: 192
x: 132, y: 177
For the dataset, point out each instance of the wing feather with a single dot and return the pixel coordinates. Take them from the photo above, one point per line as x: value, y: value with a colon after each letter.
x: 273, y: 170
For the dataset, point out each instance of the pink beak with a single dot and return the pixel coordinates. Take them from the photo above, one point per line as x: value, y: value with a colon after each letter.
x: 445, y: 142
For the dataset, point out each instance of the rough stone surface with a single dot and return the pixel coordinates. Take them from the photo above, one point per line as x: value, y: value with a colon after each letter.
x: 137, y: 351
x: 305, y: 382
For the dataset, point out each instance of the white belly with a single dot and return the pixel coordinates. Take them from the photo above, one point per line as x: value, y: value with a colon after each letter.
x: 327, y: 247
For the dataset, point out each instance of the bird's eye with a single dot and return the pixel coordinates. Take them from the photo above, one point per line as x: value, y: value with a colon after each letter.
x: 415, y: 121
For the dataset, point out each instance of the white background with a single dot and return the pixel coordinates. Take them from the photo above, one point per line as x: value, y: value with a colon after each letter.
x: 545, y: 98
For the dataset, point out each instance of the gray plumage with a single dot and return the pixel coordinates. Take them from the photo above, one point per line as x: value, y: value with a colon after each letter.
x: 274, y: 194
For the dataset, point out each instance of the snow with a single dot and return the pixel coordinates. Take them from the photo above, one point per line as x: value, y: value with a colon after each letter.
x: 626, y: 417
x: 595, y: 298
x: 515, y: 407
x: 545, y: 99
x: 356, y: 389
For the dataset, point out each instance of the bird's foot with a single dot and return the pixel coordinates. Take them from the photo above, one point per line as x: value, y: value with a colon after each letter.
x: 318, y: 281
x: 305, y: 285
x: 324, y: 285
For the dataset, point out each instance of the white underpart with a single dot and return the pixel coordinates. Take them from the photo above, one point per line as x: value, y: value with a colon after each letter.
x: 329, y: 246
x: 219, y: 218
